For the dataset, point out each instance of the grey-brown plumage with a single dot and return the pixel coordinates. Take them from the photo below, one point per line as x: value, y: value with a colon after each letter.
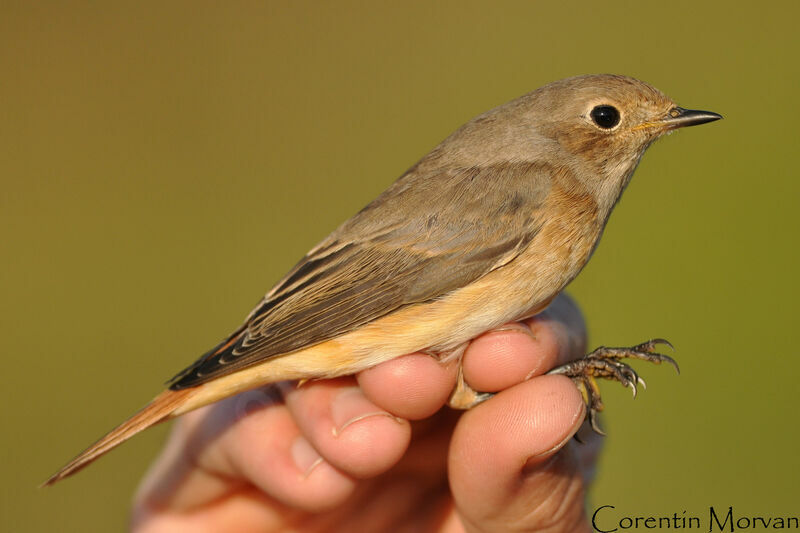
x: 485, y: 229
x: 382, y: 259
x: 417, y: 240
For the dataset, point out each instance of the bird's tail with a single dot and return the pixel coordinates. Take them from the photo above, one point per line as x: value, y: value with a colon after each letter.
x: 156, y: 411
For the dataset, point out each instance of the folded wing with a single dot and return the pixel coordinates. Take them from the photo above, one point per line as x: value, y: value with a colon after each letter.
x: 425, y: 236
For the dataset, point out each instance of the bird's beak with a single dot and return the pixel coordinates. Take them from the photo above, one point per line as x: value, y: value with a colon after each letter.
x: 679, y: 117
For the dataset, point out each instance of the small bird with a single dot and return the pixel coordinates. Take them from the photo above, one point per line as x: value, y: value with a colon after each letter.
x: 485, y: 229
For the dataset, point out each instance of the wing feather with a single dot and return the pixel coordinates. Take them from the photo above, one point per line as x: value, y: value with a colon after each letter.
x: 419, y: 240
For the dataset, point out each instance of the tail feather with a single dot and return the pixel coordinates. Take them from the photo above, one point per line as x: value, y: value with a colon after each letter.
x: 156, y: 411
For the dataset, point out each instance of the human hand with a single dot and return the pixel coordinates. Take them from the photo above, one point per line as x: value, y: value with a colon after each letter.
x: 339, y: 455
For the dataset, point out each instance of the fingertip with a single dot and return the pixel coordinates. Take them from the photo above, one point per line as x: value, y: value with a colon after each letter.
x: 504, y: 357
x: 538, y: 415
x: 563, y: 413
x: 349, y: 431
x: 496, y: 444
x: 413, y: 387
x: 305, y: 457
x: 364, y: 440
x: 275, y: 457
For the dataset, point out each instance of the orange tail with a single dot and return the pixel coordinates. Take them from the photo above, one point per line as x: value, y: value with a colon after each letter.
x: 156, y: 411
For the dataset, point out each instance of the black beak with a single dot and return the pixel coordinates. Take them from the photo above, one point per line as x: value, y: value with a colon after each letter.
x: 679, y: 117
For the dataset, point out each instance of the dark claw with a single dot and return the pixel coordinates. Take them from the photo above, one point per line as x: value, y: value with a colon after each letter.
x: 652, y: 343
x: 593, y: 422
x: 673, y: 362
x: 607, y: 363
x: 631, y: 378
x: 631, y: 374
x: 665, y: 342
x: 658, y: 358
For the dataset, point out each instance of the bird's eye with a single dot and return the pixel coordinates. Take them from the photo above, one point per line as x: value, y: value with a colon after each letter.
x: 605, y: 116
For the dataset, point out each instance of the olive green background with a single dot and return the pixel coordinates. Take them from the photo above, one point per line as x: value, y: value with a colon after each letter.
x: 162, y: 164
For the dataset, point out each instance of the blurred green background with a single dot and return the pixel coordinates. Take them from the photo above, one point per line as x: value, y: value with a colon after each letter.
x: 162, y: 164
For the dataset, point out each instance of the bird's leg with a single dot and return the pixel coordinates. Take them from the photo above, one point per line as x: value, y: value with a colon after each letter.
x: 463, y: 396
x: 607, y: 363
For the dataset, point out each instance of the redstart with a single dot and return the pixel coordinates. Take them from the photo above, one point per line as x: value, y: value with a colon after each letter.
x: 485, y: 229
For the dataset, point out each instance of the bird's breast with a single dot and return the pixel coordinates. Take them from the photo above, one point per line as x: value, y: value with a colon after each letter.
x: 518, y: 289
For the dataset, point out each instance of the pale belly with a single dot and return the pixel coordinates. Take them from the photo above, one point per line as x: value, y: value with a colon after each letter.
x: 517, y: 290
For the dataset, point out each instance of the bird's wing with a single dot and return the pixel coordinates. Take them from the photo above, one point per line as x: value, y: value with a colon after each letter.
x: 427, y: 235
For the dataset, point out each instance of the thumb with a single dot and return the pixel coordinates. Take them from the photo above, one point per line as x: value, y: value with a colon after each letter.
x: 512, y: 464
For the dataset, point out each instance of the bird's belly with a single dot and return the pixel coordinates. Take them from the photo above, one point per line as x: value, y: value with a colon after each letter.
x: 514, y: 291
x: 519, y: 289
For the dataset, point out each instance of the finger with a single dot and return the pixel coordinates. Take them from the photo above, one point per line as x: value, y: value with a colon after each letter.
x: 249, y: 439
x: 518, y: 351
x: 416, y: 386
x: 412, y: 387
x: 506, y: 356
x: 345, y: 428
x: 505, y: 466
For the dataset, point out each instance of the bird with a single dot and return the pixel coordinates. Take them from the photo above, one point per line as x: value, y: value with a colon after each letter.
x: 485, y: 229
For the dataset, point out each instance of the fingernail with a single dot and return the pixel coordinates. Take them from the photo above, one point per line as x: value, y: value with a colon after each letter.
x: 305, y: 456
x: 535, y: 459
x: 351, y: 406
x: 516, y: 326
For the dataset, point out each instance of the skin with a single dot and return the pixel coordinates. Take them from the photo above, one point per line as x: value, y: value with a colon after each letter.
x: 376, y: 452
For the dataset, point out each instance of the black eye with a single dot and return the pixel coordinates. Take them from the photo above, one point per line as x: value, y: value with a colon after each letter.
x: 605, y: 116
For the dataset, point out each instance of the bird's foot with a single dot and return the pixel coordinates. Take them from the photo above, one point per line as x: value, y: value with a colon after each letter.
x: 607, y: 363
x: 464, y: 396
